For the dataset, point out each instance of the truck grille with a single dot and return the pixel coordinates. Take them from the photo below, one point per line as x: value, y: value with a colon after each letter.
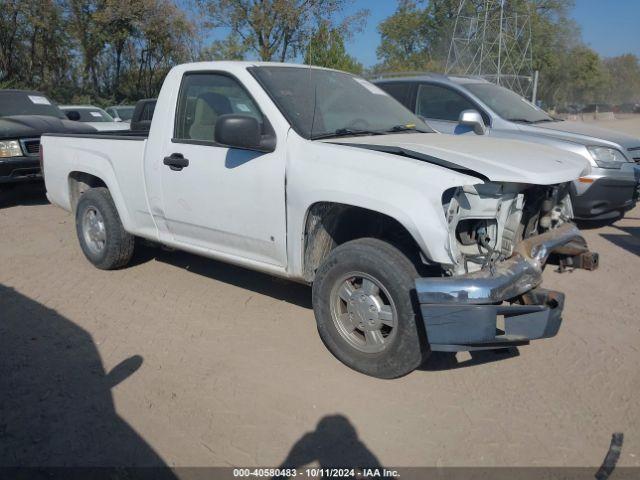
x: 31, y: 146
x: 635, y: 154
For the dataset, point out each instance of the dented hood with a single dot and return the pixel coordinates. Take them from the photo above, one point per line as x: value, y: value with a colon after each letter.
x: 497, y: 160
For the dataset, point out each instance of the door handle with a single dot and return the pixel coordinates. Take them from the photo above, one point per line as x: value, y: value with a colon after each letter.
x: 176, y: 161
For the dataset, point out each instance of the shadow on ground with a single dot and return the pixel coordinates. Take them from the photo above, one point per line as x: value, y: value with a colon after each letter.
x: 333, y: 444
x: 281, y: 289
x: 629, y: 240
x: 438, y: 361
x: 23, y: 194
x: 595, y: 224
x: 56, y: 407
x: 293, y: 293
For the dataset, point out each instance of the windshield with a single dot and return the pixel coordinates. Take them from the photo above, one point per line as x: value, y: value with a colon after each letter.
x: 125, y: 113
x: 323, y: 103
x: 90, y: 114
x: 508, y: 104
x: 27, y: 103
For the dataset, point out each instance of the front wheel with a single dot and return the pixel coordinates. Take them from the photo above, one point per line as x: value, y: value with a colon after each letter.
x: 102, y: 237
x: 365, y: 309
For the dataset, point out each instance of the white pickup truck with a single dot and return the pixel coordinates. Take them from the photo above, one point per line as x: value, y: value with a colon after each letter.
x: 413, y: 241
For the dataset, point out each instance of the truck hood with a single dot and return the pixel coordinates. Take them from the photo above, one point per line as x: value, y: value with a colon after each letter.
x: 583, y: 133
x: 497, y: 160
x: 27, y: 126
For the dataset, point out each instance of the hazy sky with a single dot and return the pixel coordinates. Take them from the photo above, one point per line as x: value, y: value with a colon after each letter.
x: 610, y: 27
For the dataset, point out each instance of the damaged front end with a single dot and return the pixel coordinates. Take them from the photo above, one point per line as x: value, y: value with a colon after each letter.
x: 501, y: 237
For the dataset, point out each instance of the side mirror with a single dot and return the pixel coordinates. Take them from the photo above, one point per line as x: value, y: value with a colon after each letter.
x: 238, y: 131
x: 472, y: 118
x: 73, y: 115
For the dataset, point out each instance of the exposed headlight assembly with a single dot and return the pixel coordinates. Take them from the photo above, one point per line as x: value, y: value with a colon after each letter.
x: 10, y: 148
x: 607, y: 157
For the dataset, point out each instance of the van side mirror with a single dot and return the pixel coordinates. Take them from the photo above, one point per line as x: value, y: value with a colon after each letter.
x: 473, y: 119
x: 73, y: 115
x: 238, y: 131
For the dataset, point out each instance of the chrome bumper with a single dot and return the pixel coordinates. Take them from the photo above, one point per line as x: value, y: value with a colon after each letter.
x: 461, y: 313
x: 507, y: 279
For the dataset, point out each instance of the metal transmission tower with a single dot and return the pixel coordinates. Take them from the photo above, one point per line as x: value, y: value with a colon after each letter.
x: 492, y: 39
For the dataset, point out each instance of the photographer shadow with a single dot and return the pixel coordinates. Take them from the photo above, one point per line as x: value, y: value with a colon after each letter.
x: 333, y: 444
x: 56, y: 405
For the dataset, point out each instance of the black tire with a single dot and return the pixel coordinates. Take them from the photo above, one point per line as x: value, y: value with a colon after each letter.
x: 396, y: 273
x: 119, y: 245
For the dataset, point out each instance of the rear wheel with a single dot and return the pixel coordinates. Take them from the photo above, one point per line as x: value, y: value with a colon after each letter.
x: 365, y: 310
x: 102, y: 237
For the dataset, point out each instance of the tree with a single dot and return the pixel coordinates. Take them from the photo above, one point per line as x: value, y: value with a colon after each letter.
x: 276, y: 29
x: 34, y: 45
x: 417, y: 35
x: 230, y: 48
x: 87, y: 31
x: 624, y: 74
x: 165, y: 40
x: 554, y: 36
x: 404, y: 41
x: 121, y: 21
x: 326, y: 49
x: 589, y: 78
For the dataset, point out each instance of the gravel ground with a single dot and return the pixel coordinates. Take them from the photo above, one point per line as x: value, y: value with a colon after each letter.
x: 183, y: 361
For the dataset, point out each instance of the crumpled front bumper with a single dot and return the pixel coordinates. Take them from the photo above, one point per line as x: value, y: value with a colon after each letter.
x: 501, y: 305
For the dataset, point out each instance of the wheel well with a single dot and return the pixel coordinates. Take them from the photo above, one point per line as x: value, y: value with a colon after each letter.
x: 331, y: 224
x: 80, y: 182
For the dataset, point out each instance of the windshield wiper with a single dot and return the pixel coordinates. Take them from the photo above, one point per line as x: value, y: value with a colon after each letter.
x: 524, y: 120
x: 544, y: 120
x: 345, y: 132
x: 405, y: 128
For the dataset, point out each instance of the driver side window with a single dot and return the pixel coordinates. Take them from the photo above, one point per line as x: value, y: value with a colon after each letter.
x: 203, y: 98
x: 441, y: 103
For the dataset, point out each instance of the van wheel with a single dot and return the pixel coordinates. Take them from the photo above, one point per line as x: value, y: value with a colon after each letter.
x: 363, y: 300
x: 102, y: 237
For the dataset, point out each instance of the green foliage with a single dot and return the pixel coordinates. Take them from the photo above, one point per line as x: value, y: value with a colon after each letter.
x: 278, y: 29
x: 624, y: 78
x: 326, y: 49
x: 34, y: 45
x: 231, y: 48
x: 106, y: 51
x: 417, y: 36
x: 97, y: 51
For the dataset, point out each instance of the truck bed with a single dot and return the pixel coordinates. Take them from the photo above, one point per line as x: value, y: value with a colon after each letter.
x: 114, y: 159
x: 106, y: 135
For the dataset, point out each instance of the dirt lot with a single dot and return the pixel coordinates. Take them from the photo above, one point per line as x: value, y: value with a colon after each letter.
x: 189, y: 362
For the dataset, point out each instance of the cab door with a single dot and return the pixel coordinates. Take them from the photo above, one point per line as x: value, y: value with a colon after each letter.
x: 226, y: 200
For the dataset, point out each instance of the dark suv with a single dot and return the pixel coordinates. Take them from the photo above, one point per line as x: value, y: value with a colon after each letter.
x: 24, y: 117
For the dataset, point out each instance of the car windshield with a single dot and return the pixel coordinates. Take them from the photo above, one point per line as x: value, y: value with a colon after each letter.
x: 508, y: 104
x: 27, y: 103
x: 326, y: 103
x: 125, y: 113
x: 90, y: 114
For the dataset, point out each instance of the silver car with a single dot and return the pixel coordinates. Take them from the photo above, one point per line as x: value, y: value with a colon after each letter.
x: 473, y: 106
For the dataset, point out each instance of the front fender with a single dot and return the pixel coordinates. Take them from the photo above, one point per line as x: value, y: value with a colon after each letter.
x: 402, y: 188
